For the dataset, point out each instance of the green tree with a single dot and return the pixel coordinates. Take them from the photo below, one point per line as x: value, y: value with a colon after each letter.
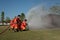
x: 22, y: 16
x: 2, y: 17
x: 55, y: 9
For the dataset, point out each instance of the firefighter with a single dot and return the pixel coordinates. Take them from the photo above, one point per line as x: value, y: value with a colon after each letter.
x: 23, y: 25
x: 17, y: 22
x: 12, y: 24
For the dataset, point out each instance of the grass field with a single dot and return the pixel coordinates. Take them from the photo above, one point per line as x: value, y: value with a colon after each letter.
x: 46, y: 34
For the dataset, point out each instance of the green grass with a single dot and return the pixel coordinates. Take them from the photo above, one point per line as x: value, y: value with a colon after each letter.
x: 46, y: 34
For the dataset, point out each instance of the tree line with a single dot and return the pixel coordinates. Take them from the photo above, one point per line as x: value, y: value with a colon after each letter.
x: 7, y: 19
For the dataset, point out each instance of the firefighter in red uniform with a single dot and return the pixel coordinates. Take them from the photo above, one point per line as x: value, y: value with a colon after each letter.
x: 23, y: 25
x: 17, y: 23
x: 12, y: 23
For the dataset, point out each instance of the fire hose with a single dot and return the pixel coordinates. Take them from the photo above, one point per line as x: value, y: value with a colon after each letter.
x: 4, y: 30
x: 27, y: 28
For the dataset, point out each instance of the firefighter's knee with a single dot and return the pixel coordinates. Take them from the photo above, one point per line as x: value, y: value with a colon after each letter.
x: 11, y: 27
x: 16, y: 28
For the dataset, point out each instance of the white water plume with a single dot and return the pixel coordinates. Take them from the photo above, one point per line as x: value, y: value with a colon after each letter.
x: 38, y: 18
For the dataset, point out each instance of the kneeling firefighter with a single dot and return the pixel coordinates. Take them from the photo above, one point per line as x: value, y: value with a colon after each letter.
x: 17, y: 23
x: 12, y: 23
x: 23, y: 24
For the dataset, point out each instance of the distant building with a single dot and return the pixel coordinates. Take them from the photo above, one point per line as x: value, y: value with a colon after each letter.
x: 4, y: 23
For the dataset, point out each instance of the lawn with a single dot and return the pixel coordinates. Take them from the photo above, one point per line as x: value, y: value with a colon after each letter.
x: 46, y: 34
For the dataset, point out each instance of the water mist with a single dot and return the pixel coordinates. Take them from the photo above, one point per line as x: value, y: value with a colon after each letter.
x: 39, y: 18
